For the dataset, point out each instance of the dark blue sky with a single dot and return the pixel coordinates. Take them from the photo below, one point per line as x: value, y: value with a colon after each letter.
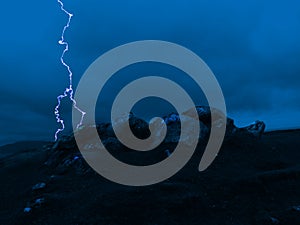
x: 252, y: 47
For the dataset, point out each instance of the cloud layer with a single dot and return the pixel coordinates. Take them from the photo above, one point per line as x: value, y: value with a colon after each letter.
x: 252, y: 47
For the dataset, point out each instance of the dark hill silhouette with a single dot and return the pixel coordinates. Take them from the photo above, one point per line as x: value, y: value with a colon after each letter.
x: 252, y: 181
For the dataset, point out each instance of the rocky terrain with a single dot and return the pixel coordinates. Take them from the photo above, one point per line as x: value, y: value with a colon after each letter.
x: 255, y: 179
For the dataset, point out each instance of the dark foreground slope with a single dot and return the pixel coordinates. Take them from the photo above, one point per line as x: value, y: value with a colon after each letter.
x: 252, y: 181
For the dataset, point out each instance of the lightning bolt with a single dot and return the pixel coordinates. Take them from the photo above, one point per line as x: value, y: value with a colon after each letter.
x: 69, y: 90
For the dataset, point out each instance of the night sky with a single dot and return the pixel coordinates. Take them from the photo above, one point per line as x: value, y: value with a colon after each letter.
x: 252, y: 47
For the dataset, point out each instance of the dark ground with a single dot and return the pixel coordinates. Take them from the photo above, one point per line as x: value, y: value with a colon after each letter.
x: 252, y: 181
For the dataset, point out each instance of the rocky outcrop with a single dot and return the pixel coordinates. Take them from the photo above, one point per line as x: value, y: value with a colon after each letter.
x: 65, y: 152
x: 140, y: 128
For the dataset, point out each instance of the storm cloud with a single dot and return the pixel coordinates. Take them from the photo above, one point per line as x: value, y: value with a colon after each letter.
x: 252, y: 47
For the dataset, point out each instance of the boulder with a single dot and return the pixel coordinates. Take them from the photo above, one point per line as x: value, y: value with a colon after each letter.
x: 174, y: 129
x: 256, y: 128
x: 204, y: 116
